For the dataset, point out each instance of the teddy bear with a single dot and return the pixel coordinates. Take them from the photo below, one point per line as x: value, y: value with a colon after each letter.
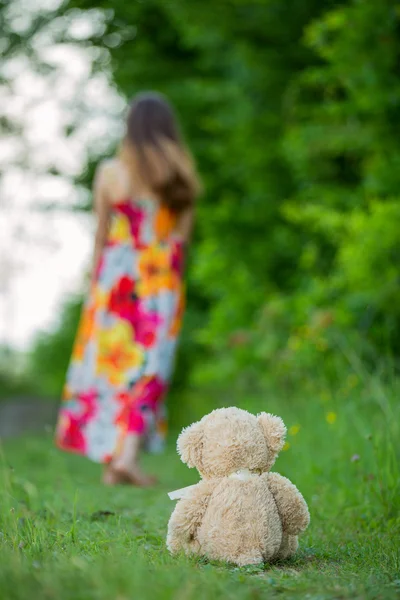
x: 239, y: 512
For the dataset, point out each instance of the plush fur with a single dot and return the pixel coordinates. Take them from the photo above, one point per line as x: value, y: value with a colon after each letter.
x: 239, y: 521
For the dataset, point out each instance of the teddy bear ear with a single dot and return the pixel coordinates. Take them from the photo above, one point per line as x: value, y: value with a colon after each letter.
x: 190, y: 443
x: 274, y: 431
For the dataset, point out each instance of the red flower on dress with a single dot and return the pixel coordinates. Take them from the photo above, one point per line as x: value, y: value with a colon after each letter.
x: 127, y: 306
x: 123, y: 300
x: 145, y: 396
x: 145, y: 326
x: 89, y: 403
x: 148, y: 392
x: 72, y: 424
x: 177, y: 258
x: 72, y: 436
x: 129, y: 417
x: 134, y: 214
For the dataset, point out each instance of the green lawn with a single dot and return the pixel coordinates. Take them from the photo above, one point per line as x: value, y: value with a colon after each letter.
x: 65, y: 536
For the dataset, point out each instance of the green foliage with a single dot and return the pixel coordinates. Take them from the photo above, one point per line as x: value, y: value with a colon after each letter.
x: 342, y: 145
x: 293, y: 117
x: 51, y: 351
x: 15, y: 378
x: 226, y: 70
x: 367, y: 271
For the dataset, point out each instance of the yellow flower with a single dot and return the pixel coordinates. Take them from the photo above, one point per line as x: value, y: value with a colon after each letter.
x: 294, y: 343
x: 67, y: 392
x: 331, y: 418
x: 120, y: 230
x: 286, y: 446
x: 155, y: 271
x: 294, y: 429
x: 118, y: 353
x: 100, y: 297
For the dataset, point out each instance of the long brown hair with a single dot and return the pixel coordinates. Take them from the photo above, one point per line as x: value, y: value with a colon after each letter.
x: 155, y: 154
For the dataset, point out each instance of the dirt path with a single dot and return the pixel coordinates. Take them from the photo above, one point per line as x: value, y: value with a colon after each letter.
x: 22, y: 415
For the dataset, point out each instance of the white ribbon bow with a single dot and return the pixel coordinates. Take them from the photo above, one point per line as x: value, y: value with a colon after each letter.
x: 242, y: 475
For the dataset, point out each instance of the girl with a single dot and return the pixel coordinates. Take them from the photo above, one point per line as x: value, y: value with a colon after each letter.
x: 113, y: 401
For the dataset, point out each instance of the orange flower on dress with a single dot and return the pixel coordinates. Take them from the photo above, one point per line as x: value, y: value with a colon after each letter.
x: 67, y: 392
x: 85, y: 332
x: 87, y: 325
x: 164, y: 223
x: 154, y: 271
x: 176, y: 322
x: 118, y: 353
x: 100, y: 297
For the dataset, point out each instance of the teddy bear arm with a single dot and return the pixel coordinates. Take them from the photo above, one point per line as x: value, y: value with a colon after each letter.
x: 291, y: 505
x: 187, y: 518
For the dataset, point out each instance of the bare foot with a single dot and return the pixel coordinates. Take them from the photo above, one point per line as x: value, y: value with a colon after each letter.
x: 134, y: 476
x: 110, y: 477
x: 119, y: 474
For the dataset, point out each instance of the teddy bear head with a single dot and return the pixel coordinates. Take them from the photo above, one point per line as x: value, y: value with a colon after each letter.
x: 230, y: 439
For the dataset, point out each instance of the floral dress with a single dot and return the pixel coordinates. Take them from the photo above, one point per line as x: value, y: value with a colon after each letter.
x: 125, y: 346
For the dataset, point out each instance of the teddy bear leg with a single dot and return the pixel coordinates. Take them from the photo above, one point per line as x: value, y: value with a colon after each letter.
x: 288, y: 547
x: 249, y: 558
x: 174, y: 544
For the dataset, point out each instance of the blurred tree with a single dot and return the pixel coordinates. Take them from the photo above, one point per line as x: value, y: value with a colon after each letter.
x: 342, y: 145
x: 292, y: 113
x: 52, y: 349
x: 55, y: 101
x: 226, y: 67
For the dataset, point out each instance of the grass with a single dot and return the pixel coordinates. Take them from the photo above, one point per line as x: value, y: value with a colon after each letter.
x: 64, y: 536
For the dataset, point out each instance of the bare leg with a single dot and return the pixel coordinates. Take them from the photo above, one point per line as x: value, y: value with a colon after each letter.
x: 125, y: 467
